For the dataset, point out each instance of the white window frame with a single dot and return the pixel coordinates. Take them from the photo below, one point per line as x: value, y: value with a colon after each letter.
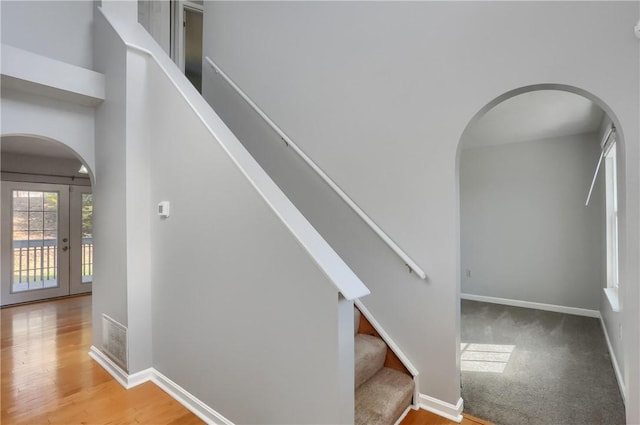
x: 612, y: 240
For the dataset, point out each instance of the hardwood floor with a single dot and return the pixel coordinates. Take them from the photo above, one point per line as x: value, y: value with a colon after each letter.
x: 422, y: 417
x: 48, y: 378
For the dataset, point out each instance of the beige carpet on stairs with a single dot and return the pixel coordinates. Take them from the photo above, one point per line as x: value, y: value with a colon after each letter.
x: 382, y: 399
x: 382, y: 394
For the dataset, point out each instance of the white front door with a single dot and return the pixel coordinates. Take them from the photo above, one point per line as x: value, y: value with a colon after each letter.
x: 41, y: 245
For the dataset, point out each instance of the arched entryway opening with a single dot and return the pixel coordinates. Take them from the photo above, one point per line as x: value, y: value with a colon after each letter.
x: 538, y: 267
x: 47, y: 211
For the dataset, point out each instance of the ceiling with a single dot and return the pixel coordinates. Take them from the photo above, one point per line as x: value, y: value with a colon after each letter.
x: 536, y: 115
x: 27, y: 145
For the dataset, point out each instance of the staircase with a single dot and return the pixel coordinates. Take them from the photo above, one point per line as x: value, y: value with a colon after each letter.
x: 383, y: 393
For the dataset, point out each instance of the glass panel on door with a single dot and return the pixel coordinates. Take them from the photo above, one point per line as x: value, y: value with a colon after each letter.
x: 35, y: 240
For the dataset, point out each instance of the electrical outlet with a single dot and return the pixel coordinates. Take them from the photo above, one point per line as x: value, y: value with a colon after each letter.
x: 468, y: 273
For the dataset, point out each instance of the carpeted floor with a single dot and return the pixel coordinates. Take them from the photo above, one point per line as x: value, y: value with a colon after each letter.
x: 525, y: 366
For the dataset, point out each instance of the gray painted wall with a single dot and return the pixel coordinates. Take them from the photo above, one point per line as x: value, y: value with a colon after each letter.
x: 379, y: 94
x: 381, y: 106
x: 524, y: 229
x: 242, y: 316
x: 138, y: 215
x: 60, y: 30
x: 33, y: 164
x: 371, y: 259
x: 109, y: 221
x: 155, y: 16
x: 41, y: 116
x: 122, y: 279
x: 43, y: 169
x: 231, y: 302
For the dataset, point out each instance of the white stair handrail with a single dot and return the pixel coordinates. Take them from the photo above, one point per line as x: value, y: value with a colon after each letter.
x: 405, y: 257
x: 329, y: 262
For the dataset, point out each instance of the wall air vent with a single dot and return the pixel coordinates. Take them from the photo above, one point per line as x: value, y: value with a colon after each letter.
x: 114, y: 341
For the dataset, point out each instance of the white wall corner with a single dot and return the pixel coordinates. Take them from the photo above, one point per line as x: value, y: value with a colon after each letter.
x: 442, y: 408
x: 140, y: 377
x: 126, y: 380
x: 107, y: 364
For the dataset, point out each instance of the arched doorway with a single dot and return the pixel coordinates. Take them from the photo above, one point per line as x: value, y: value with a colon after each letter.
x: 47, y: 210
x: 530, y: 246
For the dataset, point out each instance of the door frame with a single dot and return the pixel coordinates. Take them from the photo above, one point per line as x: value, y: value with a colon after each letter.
x: 76, y: 286
x: 178, y: 29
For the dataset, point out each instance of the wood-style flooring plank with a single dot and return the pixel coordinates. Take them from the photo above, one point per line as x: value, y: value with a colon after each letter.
x: 423, y: 417
x: 47, y: 376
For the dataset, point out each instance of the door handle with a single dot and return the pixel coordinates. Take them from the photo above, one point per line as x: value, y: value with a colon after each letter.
x: 65, y: 248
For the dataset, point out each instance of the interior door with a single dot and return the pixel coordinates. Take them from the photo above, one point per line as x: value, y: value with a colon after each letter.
x: 193, y: 46
x: 35, y: 242
x: 186, y: 30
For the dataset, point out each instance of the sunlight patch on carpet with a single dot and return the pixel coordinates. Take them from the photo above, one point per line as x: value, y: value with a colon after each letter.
x: 492, y: 358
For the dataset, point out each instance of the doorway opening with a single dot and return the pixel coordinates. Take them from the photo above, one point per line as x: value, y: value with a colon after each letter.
x: 186, y: 38
x: 47, y: 214
x: 535, y: 260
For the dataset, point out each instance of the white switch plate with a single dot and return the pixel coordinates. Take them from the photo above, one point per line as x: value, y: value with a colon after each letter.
x: 163, y: 209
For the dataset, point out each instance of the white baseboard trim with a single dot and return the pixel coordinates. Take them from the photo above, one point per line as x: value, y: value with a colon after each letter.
x: 188, y: 400
x: 528, y: 304
x: 109, y: 365
x: 442, y: 408
x: 614, y: 361
x: 192, y: 403
x: 140, y: 377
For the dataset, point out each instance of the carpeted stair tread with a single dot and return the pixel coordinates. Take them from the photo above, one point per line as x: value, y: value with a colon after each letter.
x: 370, y: 353
x: 382, y: 399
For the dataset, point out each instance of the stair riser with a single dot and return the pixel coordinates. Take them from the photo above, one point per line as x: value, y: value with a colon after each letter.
x: 370, y: 353
x: 391, y: 360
